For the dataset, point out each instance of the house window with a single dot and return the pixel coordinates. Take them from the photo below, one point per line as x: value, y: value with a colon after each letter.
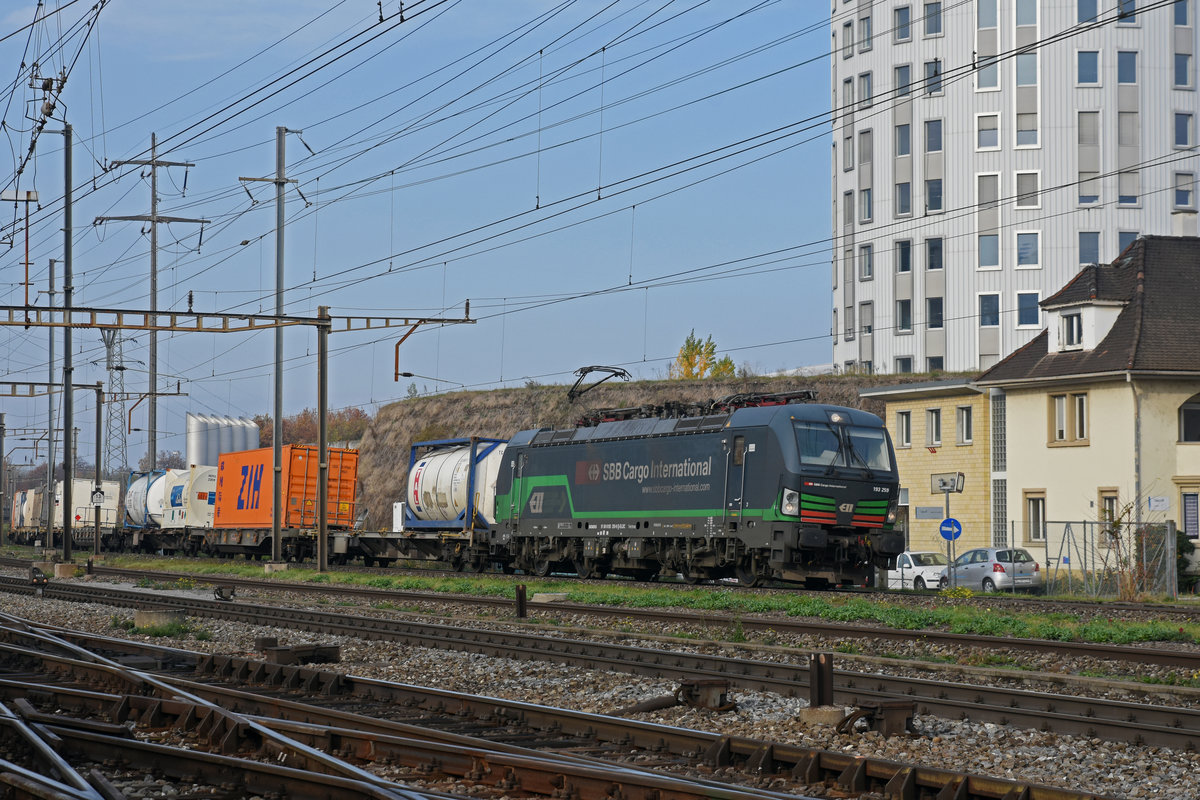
x: 1028, y: 250
x: 1124, y: 239
x: 1027, y: 69
x: 904, y: 424
x: 1087, y: 67
x: 1080, y: 413
x: 963, y: 424
x: 933, y: 136
x: 866, y: 320
x: 903, y: 365
x: 903, y: 79
x: 1189, y: 420
x: 933, y: 76
x: 864, y: 205
x: 1059, y: 428
x: 1126, y: 67
x: 1089, y: 247
x: 902, y: 23
x: 1183, y: 130
x: 989, y: 310
x: 1027, y: 190
x: 934, y: 364
x: 1127, y: 12
x: 987, y: 135
x: 1183, y: 189
x: 989, y: 251
x: 904, y: 316
x: 933, y: 253
x: 1128, y: 188
x: 1027, y: 133
x: 848, y: 208
x: 849, y: 323
x: 933, y: 312
x: 1028, y: 313
x: 903, y: 199
x: 933, y: 194
x: 1183, y: 70
x: 904, y: 255
x: 865, y: 147
x: 903, y: 140
x: 866, y: 262
x: 847, y: 39
x: 933, y: 19
x: 987, y: 75
x: 987, y: 187
x: 864, y: 89
x: 1086, y: 10
x: 1110, y: 506
x: 1069, y: 418
x: 1035, y: 516
x: 1072, y: 330
x: 848, y: 152
x: 933, y: 426
x: 864, y: 34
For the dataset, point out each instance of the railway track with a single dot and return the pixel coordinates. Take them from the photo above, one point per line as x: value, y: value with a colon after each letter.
x: 1185, y: 659
x: 1173, y: 727
x: 343, y: 732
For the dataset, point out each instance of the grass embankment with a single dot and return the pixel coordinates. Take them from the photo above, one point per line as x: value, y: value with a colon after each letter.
x: 936, y: 613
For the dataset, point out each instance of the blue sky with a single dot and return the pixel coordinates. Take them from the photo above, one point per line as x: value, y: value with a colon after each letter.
x: 597, y: 178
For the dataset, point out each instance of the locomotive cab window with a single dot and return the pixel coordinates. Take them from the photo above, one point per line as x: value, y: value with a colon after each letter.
x: 739, y: 450
x: 868, y: 448
x: 819, y: 443
x: 825, y: 445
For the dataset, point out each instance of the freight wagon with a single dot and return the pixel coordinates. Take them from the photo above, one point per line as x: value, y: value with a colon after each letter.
x: 757, y: 488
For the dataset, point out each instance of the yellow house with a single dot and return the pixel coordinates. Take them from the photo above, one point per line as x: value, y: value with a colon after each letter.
x: 1103, y: 407
x: 940, y: 429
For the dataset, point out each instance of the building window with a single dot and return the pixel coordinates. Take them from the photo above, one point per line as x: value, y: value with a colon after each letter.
x: 987, y: 191
x: 933, y: 313
x: 933, y: 136
x: 904, y: 316
x: 903, y: 199
x: 1181, y: 12
x: 963, y: 425
x: 848, y: 153
x: 1110, y: 511
x: 1126, y: 67
x: 987, y: 76
x: 902, y: 23
x: 933, y: 19
x: 1183, y: 130
x: 849, y: 323
x: 1183, y: 70
x: 866, y: 262
x: 847, y: 94
x: 1126, y: 12
x: 865, y: 146
x: 1069, y: 417
x: 933, y: 194
x: 903, y: 427
x: 1028, y: 195
x: 1058, y: 429
x: 864, y: 89
x: 866, y: 320
x: 1089, y: 188
x: 989, y: 251
x: 987, y: 132
x: 904, y: 255
x: 1089, y: 247
x: 933, y: 77
x: 1087, y: 11
x: 933, y: 426
x: 1128, y: 131
x: 1035, y: 517
x: 985, y: 11
x: 864, y: 205
x: 1087, y: 72
x: 1027, y: 69
x: 1183, y: 189
x: 903, y: 140
x: 934, y: 363
x: 904, y: 367
x: 1080, y: 411
x: 835, y: 327
x: 933, y: 253
x: 1028, y: 250
x: 1128, y: 188
x: 989, y: 310
x: 1027, y: 133
x: 864, y: 34
x: 1028, y: 313
x: 1072, y: 330
x: 1189, y: 420
x: 847, y: 39
x: 1027, y: 12
x: 903, y: 79
x: 1124, y: 239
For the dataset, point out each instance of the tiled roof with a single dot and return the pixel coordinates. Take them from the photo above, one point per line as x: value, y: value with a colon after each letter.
x: 1158, y: 279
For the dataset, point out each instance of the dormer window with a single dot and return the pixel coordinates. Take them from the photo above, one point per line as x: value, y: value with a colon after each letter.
x: 1072, y: 330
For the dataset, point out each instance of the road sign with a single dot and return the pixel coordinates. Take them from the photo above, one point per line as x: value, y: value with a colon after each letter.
x: 98, y: 497
x: 950, y: 529
x: 946, y: 482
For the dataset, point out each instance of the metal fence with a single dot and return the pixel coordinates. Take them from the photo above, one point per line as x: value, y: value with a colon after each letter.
x: 1104, y: 559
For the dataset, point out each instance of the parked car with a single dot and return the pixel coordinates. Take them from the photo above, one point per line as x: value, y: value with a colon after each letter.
x: 990, y: 569
x: 917, y: 570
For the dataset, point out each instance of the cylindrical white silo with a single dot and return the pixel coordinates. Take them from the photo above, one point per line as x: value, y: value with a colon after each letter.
x: 238, y: 434
x: 195, y: 438
x: 252, y: 433
x: 210, y: 441
x: 225, y: 436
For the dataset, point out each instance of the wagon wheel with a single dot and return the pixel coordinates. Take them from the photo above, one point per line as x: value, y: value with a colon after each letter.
x: 585, y: 568
x: 541, y: 567
x: 747, y: 575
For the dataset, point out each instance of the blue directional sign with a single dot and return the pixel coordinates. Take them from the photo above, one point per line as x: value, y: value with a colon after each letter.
x: 950, y: 529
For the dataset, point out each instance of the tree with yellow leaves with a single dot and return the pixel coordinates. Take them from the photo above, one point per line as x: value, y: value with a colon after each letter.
x: 698, y: 359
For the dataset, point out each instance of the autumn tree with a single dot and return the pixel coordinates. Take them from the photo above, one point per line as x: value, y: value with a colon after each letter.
x: 698, y: 359
x: 344, y: 425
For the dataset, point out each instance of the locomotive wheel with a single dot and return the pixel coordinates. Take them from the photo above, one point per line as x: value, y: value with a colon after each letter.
x: 690, y: 576
x: 746, y: 575
x: 541, y: 567
x: 590, y: 568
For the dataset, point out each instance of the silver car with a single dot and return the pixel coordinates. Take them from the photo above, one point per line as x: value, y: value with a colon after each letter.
x: 990, y: 569
x: 917, y: 570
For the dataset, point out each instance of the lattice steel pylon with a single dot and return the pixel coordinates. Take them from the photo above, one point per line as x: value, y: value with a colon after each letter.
x: 116, y: 450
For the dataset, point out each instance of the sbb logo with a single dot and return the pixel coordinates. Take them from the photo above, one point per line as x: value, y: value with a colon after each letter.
x: 587, y: 472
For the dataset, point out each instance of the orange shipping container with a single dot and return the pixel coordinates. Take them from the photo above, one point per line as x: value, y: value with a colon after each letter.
x: 245, y: 487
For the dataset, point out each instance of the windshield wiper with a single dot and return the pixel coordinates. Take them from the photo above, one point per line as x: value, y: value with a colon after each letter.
x: 837, y: 457
x: 854, y: 454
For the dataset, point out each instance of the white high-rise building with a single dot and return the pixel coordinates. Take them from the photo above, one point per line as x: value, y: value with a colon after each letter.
x: 984, y: 150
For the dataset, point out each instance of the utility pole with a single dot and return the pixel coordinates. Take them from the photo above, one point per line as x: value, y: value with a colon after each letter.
x: 281, y: 181
x: 153, y: 218
x: 116, y: 453
x: 50, y: 424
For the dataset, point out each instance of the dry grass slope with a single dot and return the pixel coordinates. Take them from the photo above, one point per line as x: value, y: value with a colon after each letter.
x: 383, y: 463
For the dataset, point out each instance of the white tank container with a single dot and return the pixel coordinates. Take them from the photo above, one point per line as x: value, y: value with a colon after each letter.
x: 201, y: 496
x: 149, y: 499
x: 437, y: 484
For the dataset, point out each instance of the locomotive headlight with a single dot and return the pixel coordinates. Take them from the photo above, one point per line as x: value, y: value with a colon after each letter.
x: 891, y: 515
x: 791, y: 503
